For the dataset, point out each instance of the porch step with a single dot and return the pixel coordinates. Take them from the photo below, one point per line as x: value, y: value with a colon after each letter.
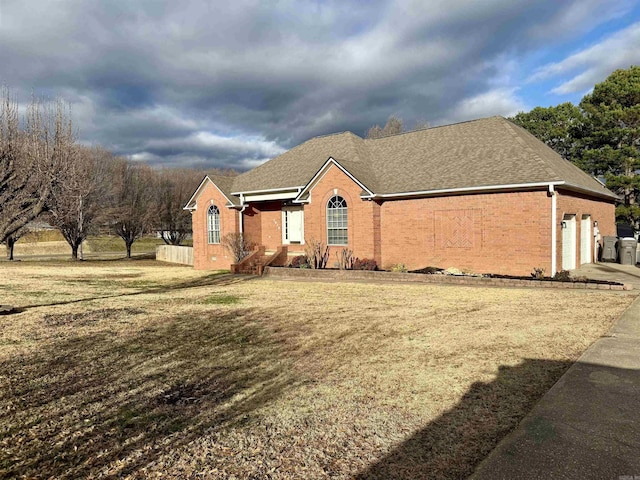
x: 254, y: 264
x: 251, y: 268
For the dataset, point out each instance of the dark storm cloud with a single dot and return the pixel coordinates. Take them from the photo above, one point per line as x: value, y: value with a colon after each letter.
x: 229, y: 84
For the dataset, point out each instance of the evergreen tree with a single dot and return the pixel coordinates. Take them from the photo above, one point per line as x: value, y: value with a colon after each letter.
x: 556, y: 126
x: 610, y: 143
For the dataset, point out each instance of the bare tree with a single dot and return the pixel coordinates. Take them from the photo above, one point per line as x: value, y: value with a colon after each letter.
x: 134, y: 201
x: 11, y: 240
x: 174, y: 189
x: 393, y: 126
x: 80, y: 195
x: 23, y: 184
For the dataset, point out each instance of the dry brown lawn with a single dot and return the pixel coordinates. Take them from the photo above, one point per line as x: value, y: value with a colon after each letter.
x: 139, y: 369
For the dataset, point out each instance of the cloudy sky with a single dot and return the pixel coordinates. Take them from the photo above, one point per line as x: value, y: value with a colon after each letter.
x: 231, y: 84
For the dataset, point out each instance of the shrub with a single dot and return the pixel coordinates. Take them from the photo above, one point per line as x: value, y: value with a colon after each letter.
x: 399, y: 267
x: 317, y: 253
x: 237, y: 245
x: 300, y: 261
x: 345, y: 259
x: 365, y: 264
x: 538, y: 273
x: 563, y: 276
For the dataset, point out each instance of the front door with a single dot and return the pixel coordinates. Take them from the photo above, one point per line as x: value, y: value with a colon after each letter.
x: 293, y: 225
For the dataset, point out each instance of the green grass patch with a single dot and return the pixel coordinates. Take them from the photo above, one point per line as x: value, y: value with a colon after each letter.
x: 222, y: 300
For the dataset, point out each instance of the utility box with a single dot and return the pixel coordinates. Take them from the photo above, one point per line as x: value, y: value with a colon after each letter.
x: 627, y: 251
x: 609, y: 253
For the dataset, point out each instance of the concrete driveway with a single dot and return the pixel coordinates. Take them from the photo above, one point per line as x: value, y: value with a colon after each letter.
x: 613, y: 272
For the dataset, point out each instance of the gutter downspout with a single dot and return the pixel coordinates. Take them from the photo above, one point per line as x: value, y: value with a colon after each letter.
x: 554, y: 227
x: 240, y: 217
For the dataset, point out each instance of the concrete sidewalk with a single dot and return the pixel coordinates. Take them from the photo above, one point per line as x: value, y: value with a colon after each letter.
x: 588, y: 425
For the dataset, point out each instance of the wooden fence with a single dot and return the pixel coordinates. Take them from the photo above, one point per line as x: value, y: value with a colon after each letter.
x: 174, y: 254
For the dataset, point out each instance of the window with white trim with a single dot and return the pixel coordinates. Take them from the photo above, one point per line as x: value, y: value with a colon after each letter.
x: 337, y: 231
x: 213, y: 224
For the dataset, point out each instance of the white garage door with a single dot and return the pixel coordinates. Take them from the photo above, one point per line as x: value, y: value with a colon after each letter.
x: 569, y: 242
x: 585, y: 239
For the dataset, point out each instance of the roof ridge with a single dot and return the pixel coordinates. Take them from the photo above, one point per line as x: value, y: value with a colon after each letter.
x: 332, y: 135
x: 436, y: 127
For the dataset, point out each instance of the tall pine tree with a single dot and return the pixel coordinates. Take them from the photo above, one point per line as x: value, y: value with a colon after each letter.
x: 555, y: 126
x: 610, y: 143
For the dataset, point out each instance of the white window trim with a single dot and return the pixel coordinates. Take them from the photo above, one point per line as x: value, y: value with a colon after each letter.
x: 346, y: 213
x: 213, y: 231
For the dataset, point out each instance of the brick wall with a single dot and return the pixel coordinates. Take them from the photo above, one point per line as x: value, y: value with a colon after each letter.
x: 573, y: 203
x: 360, y: 214
x: 252, y: 224
x: 206, y: 256
x: 263, y: 223
x: 506, y: 233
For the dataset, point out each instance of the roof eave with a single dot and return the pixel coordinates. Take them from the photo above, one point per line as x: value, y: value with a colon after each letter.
x: 606, y: 194
x: 267, y: 190
x: 463, y: 190
x: 191, y: 204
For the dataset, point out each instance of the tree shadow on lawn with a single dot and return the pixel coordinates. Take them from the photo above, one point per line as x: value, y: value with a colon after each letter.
x: 452, y: 445
x: 214, y: 279
x: 110, y: 405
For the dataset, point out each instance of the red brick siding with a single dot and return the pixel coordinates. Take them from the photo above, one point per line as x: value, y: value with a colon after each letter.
x: 206, y: 256
x: 271, y: 215
x: 263, y: 223
x: 507, y: 233
x: 360, y: 214
x: 252, y: 224
x: 576, y: 204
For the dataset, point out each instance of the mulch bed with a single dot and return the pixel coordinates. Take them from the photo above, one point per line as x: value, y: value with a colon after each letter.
x: 440, y: 271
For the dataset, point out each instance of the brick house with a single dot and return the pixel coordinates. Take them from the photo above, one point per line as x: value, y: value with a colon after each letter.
x: 483, y: 195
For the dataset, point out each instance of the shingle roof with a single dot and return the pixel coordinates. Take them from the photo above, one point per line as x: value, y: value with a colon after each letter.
x: 480, y: 153
x: 297, y: 166
x: 225, y: 184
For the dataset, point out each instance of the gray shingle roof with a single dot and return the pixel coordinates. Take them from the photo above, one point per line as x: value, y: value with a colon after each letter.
x: 225, y: 185
x: 297, y: 166
x: 480, y: 153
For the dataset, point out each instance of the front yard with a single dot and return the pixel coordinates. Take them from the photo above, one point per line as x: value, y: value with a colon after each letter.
x: 141, y: 369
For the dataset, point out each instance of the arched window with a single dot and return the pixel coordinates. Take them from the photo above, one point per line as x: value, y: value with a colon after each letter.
x: 213, y: 224
x: 337, y: 231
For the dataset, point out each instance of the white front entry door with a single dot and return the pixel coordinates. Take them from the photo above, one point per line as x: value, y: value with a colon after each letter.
x: 585, y: 239
x: 569, y: 242
x: 292, y: 225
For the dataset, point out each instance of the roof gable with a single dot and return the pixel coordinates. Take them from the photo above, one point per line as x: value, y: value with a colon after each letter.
x: 222, y: 183
x: 318, y: 176
x: 295, y: 168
